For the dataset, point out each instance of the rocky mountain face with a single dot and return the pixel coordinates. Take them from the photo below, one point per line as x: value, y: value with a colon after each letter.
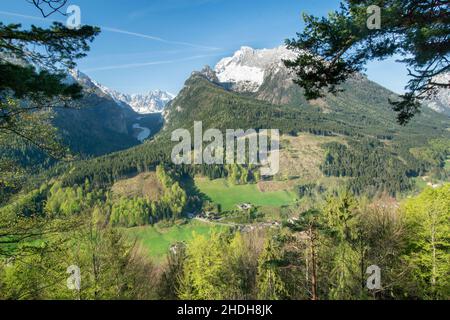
x: 441, y: 102
x: 247, y: 69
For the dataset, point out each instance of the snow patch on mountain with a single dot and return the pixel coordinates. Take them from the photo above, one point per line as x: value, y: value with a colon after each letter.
x: 245, y: 71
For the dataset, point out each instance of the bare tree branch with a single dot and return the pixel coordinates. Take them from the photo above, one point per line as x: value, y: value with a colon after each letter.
x: 52, y: 6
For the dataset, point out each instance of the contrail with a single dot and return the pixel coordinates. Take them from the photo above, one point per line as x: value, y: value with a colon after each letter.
x: 151, y: 63
x: 115, y: 30
x: 145, y: 36
x: 6, y: 13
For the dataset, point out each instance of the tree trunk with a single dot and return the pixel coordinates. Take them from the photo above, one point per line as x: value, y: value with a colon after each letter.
x: 313, y: 267
x: 433, y: 246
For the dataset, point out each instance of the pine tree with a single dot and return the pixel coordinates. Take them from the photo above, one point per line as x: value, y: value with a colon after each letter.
x: 336, y: 47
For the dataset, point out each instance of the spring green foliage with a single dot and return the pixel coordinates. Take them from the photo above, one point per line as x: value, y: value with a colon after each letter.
x: 333, y: 245
x: 59, y: 201
x: 70, y: 201
x: 171, y: 279
x: 230, y: 273
x: 131, y: 212
x: 269, y: 282
x: 346, y: 236
x: 111, y: 268
x: 211, y: 283
x: 428, y: 252
x: 139, y: 212
x: 174, y: 196
x: 238, y: 174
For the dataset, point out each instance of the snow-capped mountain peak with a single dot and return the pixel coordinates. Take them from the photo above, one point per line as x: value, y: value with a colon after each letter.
x: 246, y: 69
x: 76, y: 76
x: 152, y: 102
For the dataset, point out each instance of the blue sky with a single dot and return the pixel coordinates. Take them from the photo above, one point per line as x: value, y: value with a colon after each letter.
x: 156, y: 44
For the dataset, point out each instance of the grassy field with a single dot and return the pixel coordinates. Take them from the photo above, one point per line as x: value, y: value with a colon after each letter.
x: 157, y: 240
x: 228, y: 195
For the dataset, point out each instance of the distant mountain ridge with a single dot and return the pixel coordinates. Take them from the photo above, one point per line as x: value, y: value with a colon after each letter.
x: 152, y: 102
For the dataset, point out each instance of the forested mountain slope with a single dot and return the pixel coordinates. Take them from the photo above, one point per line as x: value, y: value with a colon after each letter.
x: 390, y: 154
x: 376, y: 152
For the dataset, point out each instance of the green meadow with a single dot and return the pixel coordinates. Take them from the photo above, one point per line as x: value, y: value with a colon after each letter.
x: 228, y: 195
x: 156, y: 240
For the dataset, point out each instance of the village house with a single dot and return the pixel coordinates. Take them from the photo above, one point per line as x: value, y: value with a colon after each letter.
x: 244, y: 206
